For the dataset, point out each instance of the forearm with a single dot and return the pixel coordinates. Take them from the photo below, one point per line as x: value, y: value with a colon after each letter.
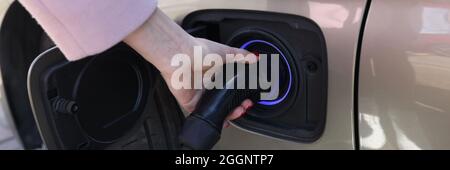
x: 159, y: 39
x: 82, y: 28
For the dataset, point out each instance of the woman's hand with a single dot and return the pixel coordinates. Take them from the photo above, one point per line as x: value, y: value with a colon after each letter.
x: 159, y: 39
x: 188, y: 98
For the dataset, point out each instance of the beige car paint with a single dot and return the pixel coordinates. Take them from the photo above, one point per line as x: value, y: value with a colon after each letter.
x: 404, y: 78
x: 340, y: 21
x: 404, y: 93
x: 4, y: 4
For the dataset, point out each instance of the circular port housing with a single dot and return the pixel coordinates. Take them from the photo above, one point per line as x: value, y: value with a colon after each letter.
x: 285, y: 72
x: 261, y: 42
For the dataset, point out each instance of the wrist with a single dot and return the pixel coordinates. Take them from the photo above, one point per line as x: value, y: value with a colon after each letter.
x: 159, y: 39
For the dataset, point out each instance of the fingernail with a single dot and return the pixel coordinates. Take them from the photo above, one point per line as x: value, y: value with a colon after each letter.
x: 226, y: 125
x: 256, y: 53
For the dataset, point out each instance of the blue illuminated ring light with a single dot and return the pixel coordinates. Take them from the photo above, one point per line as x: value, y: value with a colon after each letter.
x: 279, y: 100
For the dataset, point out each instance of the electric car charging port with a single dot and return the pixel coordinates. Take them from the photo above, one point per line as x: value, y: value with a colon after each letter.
x: 261, y: 42
x: 299, y: 112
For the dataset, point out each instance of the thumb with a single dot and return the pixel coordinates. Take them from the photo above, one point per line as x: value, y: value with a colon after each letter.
x: 237, y: 55
x: 230, y: 54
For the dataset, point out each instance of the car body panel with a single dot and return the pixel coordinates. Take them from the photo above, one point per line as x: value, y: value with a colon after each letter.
x: 9, y: 138
x: 340, y: 22
x: 404, y: 87
x: 4, y: 4
x: 403, y: 78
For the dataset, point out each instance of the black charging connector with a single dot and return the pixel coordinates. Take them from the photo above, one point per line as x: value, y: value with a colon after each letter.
x: 202, y: 129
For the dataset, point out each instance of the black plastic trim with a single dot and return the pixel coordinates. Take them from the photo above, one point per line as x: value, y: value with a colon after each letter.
x: 150, y: 117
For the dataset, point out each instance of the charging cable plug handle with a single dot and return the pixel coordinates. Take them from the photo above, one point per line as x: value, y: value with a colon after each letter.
x: 202, y: 128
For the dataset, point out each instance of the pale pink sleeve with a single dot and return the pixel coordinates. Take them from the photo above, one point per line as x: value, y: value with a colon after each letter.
x: 82, y: 28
